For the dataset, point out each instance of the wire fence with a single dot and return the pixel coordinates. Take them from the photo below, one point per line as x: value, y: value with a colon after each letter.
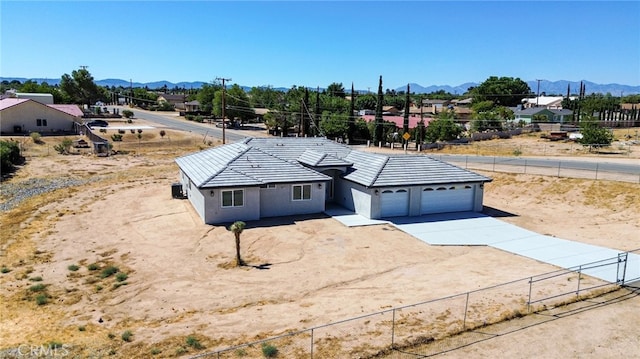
x: 444, y: 324
x: 556, y: 168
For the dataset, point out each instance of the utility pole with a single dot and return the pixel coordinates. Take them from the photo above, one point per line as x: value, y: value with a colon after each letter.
x: 538, y: 95
x: 223, y: 123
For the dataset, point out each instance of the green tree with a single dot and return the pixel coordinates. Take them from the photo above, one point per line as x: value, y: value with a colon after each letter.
x: 442, y: 130
x: 334, y: 124
x: 237, y: 228
x: 80, y: 87
x: 503, y: 91
x: 264, y: 97
x: 593, y: 135
x: 236, y: 102
x: 205, y: 96
x: 352, y: 116
x: 378, y: 130
x: 336, y: 90
x: 405, y: 120
x: 366, y: 102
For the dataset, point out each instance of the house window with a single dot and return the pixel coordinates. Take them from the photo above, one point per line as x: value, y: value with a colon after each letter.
x: 41, y: 122
x: 302, y: 192
x: 233, y: 198
x: 268, y: 185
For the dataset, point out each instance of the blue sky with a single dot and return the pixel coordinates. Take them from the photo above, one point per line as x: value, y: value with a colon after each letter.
x: 315, y: 43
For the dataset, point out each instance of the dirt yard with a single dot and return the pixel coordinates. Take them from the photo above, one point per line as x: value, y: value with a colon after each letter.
x: 110, y: 265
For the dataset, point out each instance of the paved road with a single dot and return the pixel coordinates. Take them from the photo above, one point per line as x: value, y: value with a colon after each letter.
x: 601, y: 166
x: 188, y: 126
x: 237, y: 135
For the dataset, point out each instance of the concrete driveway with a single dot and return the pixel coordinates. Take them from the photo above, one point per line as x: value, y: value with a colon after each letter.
x: 477, y: 229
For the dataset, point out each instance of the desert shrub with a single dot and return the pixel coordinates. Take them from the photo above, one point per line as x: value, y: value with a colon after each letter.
x: 199, y: 119
x: 54, y: 344
x: 127, y: 336
x: 38, y: 287
x: 73, y: 267
x: 119, y: 284
x: 111, y: 335
x: 9, y: 155
x: 109, y: 271
x: 93, y: 266
x: 98, y: 288
x: 116, y: 137
x: 269, y: 351
x: 155, y: 351
x: 36, y: 279
x: 139, y: 130
x: 127, y: 113
x: 36, y: 137
x: 133, y: 131
x: 162, y: 133
x: 103, y: 130
x: 82, y: 328
x: 5, y: 270
x: 121, y: 131
x: 194, y: 342
x: 189, y: 117
x: 63, y: 147
x: 121, y: 277
x: 42, y: 299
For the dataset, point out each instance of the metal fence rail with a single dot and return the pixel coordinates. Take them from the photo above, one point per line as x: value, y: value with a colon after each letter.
x: 443, y: 323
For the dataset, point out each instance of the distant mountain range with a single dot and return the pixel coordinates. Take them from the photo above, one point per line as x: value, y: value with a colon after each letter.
x: 546, y: 87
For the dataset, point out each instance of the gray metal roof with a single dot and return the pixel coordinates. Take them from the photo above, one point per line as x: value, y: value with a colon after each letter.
x: 319, y: 159
x: 241, y: 165
x: 257, y: 161
x: 423, y: 170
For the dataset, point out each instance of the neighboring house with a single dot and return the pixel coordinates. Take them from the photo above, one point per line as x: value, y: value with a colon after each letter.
x: 548, y: 102
x: 541, y: 114
x: 178, y: 101
x: 25, y: 115
x: 44, y: 98
x: 271, y: 177
x: 390, y: 110
x: 192, y: 106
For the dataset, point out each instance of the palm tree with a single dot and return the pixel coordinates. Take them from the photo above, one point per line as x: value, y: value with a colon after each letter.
x: 237, y: 228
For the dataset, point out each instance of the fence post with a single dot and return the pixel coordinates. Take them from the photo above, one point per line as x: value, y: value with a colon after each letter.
x: 579, y: 276
x: 466, y: 306
x: 494, y: 163
x: 311, y: 343
x: 466, y: 161
x: 597, y: 170
x: 529, y: 300
x: 393, y: 328
x: 525, y: 166
x: 559, y: 164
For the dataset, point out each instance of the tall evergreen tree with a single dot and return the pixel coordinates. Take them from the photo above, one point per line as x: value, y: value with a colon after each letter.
x: 405, y: 122
x: 377, y: 133
x: 351, y: 128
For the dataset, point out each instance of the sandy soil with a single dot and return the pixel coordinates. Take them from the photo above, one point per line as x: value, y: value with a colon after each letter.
x: 303, y: 271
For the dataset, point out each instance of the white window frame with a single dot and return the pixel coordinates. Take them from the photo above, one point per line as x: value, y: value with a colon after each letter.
x: 233, y: 198
x: 302, y: 192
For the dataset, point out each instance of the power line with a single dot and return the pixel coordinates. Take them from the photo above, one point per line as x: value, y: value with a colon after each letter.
x: 223, y: 91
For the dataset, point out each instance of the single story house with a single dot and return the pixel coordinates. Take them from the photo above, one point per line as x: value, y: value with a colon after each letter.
x: 541, y: 114
x: 192, y: 106
x: 178, y: 101
x: 271, y: 177
x: 26, y: 115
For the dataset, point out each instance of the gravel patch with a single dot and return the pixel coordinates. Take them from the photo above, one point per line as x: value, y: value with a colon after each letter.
x: 15, y: 193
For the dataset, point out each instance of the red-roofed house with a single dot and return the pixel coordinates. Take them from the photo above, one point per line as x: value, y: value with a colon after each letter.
x: 25, y: 115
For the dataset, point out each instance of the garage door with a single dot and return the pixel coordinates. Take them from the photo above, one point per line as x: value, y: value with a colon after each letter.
x: 443, y: 199
x: 394, y: 203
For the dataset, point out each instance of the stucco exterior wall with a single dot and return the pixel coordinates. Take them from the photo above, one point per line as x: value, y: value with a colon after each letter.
x: 215, y: 213
x: 278, y: 201
x: 26, y: 115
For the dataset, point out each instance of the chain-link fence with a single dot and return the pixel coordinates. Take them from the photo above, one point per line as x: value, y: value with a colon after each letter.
x: 439, y: 325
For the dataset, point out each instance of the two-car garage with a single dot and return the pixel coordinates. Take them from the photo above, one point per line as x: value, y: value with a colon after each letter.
x: 395, y: 202
x: 443, y: 199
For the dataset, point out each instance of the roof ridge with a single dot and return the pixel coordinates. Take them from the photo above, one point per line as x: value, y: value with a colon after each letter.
x: 228, y: 162
x: 380, y: 170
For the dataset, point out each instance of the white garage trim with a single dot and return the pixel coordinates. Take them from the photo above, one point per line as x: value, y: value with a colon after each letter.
x: 394, y: 203
x: 447, y: 198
